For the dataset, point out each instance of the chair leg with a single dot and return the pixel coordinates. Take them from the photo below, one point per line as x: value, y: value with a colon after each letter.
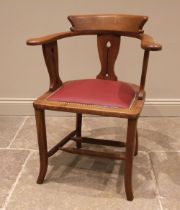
x: 130, y: 148
x: 78, y: 128
x: 42, y: 143
x: 136, y: 145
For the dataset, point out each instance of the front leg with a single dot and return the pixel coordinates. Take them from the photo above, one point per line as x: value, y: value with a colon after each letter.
x: 130, y: 149
x: 42, y: 143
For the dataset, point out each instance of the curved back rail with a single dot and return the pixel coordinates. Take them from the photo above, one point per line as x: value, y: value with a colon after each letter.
x: 109, y: 29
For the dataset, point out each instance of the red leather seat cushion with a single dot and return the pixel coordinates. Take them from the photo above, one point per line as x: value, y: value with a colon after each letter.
x: 96, y: 92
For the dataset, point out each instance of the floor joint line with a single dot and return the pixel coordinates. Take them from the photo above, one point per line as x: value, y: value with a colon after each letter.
x: 16, y: 181
x: 158, y: 196
x: 17, y: 132
x: 14, y: 148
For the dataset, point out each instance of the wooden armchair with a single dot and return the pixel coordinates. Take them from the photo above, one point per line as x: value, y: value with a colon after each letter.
x: 105, y: 95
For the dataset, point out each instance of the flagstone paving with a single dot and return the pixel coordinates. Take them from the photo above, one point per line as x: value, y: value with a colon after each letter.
x: 88, y: 183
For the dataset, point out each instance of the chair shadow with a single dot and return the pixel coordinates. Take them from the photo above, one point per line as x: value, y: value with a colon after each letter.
x: 107, y: 175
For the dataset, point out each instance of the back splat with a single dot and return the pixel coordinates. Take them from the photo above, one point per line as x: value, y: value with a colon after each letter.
x: 108, y: 48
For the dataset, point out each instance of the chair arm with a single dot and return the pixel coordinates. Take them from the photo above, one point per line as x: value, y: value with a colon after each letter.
x: 148, y: 43
x: 50, y: 38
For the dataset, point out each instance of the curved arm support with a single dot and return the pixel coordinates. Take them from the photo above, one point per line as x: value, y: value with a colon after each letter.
x: 51, y: 38
x: 148, y: 43
x: 143, y: 75
x: 50, y: 52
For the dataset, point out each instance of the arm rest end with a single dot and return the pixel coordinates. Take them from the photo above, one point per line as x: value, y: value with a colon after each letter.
x: 148, y: 43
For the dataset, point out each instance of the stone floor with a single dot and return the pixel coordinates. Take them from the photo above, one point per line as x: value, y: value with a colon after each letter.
x: 86, y: 183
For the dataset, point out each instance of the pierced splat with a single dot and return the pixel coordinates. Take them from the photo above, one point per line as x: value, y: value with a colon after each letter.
x: 108, y: 47
x: 89, y: 96
x: 50, y: 52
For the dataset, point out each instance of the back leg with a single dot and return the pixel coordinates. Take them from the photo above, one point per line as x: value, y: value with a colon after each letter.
x: 136, y: 145
x: 78, y: 128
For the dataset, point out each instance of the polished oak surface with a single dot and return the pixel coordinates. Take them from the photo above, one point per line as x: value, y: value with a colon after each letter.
x: 108, y: 28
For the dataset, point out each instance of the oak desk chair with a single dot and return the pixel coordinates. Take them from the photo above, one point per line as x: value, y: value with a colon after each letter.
x: 105, y: 95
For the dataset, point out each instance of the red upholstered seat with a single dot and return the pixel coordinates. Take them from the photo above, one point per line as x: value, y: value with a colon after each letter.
x: 95, y: 92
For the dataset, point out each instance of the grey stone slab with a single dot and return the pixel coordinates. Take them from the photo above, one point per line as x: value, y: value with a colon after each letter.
x: 57, y: 128
x: 105, y: 127
x: 167, y: 172
x: 155, y: 134
x: 8, y: 128
x: 11, y: 162
x: 159, y: 134
x: 170, y: 203
x: 168, y: 125
x: 84, y: 183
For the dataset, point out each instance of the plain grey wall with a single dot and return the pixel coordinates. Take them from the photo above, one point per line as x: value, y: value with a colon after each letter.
x: 23, y: 72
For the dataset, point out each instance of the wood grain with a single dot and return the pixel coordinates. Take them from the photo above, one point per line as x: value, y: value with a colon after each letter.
x: 89, y: 140
x: 143, y: 75
x: 148, y: 43
x: 43, y: 103
x: 78, y: 128
x: 108, y: 48
x: 42, y: 144
x: 130, y: 150
x: 54, y: 149
x: 111, y: 22
x: 110, y: 155
x: 50, y: 52
x: 109, y: 30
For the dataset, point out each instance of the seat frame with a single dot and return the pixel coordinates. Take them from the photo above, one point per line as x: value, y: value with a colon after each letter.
x: 108, y: 40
